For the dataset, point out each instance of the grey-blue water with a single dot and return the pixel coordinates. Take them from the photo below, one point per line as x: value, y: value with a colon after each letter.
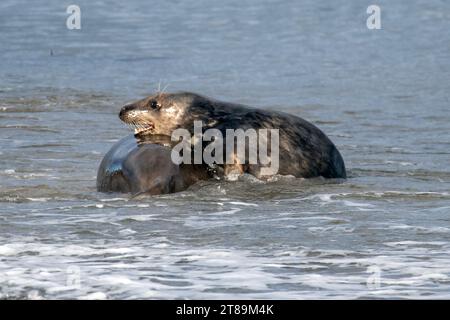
x: 381, y: 95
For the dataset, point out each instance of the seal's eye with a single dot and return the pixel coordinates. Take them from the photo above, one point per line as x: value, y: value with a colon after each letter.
x: 154, y: 104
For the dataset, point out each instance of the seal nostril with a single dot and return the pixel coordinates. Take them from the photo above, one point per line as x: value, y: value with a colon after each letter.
x: 121, y: 113
x: 124, y: 110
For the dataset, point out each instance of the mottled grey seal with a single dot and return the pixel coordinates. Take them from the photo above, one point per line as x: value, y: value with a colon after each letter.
x: 305, y: 151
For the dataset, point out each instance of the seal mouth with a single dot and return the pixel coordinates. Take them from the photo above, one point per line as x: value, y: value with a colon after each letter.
x: 142, y: 128
x: 137, y: 120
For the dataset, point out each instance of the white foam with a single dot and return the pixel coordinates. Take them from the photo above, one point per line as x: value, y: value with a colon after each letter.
x: 421, y: 229
x: 195, y: 272
x: 143, y: 217
x: 39, y: 199
x: 402, y: 163
x: 237, y: 203
x: 114, y: 199
x: 127, y: 231
x: 94, y: 296
x: 7, y: 250
x: 329, y: 198
x: 34, y: 295
x: 408, y: 243
x: 225, y: 213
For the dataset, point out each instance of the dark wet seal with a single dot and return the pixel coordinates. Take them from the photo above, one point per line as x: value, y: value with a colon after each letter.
x: 139, y: 166
x: 305, y: 151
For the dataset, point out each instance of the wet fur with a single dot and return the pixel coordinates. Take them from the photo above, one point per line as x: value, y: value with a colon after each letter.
x: 135, y: 166
x: 305, y: 151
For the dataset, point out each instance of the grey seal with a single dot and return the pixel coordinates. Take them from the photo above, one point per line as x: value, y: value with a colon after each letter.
x: 305, y: 151
x: 134, y: 165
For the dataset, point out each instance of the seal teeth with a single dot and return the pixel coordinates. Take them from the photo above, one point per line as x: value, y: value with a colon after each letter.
x: 140, y: 127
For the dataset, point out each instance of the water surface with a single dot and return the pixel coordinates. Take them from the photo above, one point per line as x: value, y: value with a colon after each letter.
x: 381, y: 95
